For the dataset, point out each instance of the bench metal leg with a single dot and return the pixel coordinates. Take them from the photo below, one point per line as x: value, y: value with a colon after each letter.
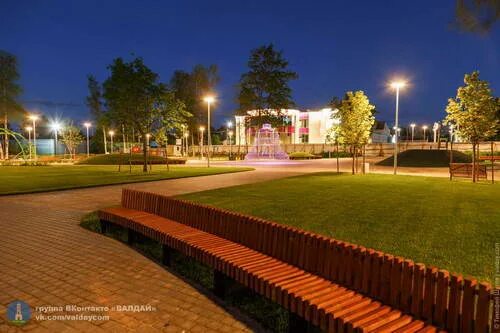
x: 166, y: 255
x: 222, y: 283
x: 104, y: 226
x: 298, y: 324
x: 131, y: 236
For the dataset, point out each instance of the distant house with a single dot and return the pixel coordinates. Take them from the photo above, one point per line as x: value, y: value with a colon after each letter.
x: 380, y: 132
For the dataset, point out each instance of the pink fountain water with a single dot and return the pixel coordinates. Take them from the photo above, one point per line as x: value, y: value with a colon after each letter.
x: 266, y: 145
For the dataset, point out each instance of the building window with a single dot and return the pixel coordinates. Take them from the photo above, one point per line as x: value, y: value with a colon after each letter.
x: 304, y: 123
x: 304, y: 138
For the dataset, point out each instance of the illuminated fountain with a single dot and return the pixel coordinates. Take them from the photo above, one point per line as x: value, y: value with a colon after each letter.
x: 266, y: 145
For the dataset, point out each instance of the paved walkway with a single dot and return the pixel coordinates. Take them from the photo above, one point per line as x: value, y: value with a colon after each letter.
x: 47, y: 259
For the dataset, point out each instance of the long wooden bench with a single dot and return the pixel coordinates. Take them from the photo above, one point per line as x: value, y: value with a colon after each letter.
x: 338, y: 286
x: 465, y: 170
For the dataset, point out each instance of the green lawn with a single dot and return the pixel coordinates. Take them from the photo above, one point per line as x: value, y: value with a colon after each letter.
x: 25, y: 179
x: 452, y: 225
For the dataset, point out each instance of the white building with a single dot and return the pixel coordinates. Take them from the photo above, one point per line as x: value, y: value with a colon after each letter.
x: 310, y: 126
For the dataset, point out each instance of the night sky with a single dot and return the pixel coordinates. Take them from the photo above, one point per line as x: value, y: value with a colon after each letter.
x: 334, y: 46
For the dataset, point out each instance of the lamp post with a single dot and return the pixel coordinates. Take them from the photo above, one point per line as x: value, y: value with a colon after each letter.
x: 29, y: 129
x: 425, y: 129
x: 186, y: 137
x: 182, y: 139
x: 111, y: 134
x: 55, y: 127
x: 34, y: 118
x: 230, y: 134
x: 229, y: 126
x: 412, y: 131
x: 87, y: 126
x: 202, y: 129
x: 396, y: 85
x: 209, y: 100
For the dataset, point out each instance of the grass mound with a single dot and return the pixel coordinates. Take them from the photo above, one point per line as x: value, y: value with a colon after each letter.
x: 135, y: 159
x: 301, y: 155
x: 426, y: 158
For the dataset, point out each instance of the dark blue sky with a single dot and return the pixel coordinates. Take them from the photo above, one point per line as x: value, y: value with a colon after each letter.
x: 334, y: 46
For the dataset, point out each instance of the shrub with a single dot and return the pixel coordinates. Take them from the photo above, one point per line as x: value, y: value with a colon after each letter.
x: 124, y: 159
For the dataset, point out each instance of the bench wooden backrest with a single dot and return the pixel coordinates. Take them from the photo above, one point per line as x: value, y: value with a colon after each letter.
x: 445, y: 299
x: 465, y: 170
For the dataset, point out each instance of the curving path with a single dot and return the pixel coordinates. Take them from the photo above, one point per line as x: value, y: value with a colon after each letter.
x: 46, y: 258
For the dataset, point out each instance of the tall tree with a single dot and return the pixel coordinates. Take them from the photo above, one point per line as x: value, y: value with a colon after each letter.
x: 356, y: 121
x: 135, y: 97
x: 95, y: 104
x: 265, y: 87
x: 474, y: 113
x: 9, y: 92
x: 191, y: 87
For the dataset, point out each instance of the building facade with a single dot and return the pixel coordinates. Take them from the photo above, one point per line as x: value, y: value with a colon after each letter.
x: 310, y: 126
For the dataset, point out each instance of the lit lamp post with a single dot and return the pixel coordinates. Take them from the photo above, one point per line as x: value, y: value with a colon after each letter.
x: 209, y: 100
x: 396, y: 85
x: 183, y: 137
x: 230, y: 134
x: 186, y: 137
x: 435, y: 128
x: 425, y: 129
x: 34, y: 118
x: 229, y: 126
x: 202, y: 129
x: 87, y: 126
x: 55, y: 127
x: 412, y: 131
x: 111, y: 134
x: 29, y: 129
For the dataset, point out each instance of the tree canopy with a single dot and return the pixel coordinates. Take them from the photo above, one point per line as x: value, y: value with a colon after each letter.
x: 478, y: 16
x: 9, y: 93
x: 474, y: 111
x: 265, y: 86
x: 356, y: 121
x: 191, y: 87
x: 137, y: 99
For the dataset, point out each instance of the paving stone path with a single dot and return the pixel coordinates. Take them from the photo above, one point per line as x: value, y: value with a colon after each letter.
x: 47, y: 259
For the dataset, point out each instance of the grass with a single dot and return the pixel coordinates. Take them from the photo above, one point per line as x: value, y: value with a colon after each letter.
x: 135, y: 159
x: 28, y: 179
x: 426, y: 158
x: 452, y: 225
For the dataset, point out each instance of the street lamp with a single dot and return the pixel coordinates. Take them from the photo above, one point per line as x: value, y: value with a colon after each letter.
x: 396, y: 85
x: 425, y: 129
x: 87, y: 126
x: 55, y: 127
x: 230, y: 135
x: 186, y: 137
x: 202, y: 129
x: 229, y: 126
x: 34, y: 118
x: 412, y: 130
x: 111, y: 134
x: 209, y: 100
x: 29, y: 129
